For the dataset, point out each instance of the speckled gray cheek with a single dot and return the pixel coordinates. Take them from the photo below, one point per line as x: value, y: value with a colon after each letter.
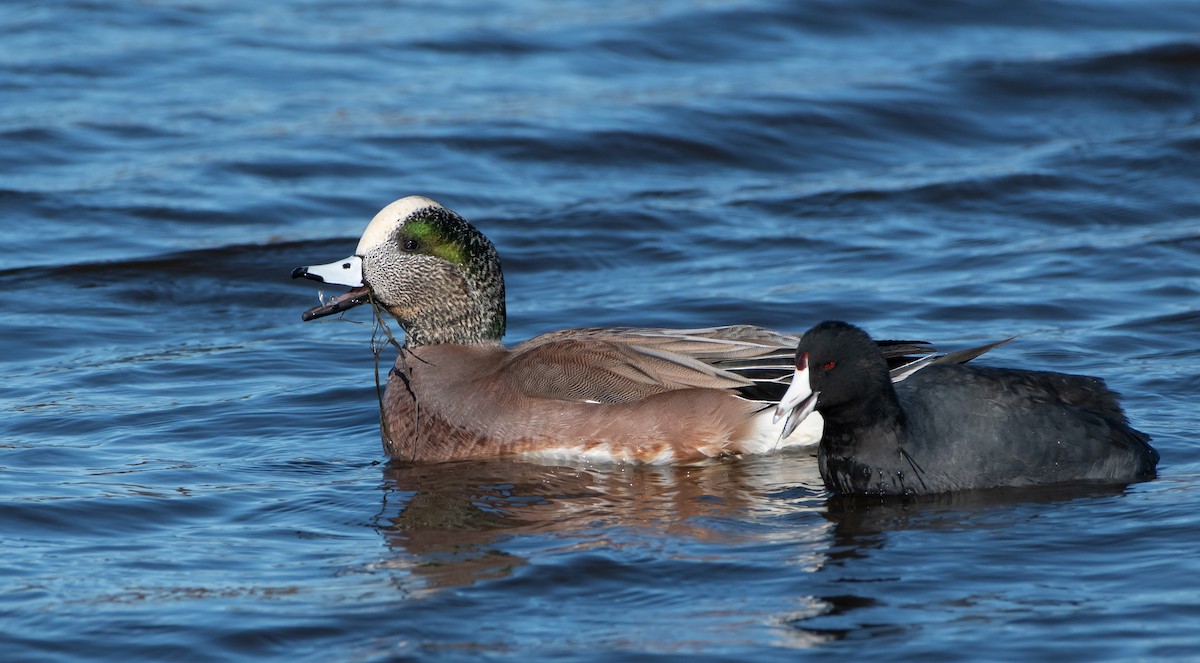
x: 385, y: 276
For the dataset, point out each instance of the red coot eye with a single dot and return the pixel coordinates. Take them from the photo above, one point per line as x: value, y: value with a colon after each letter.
x: 829, y: 365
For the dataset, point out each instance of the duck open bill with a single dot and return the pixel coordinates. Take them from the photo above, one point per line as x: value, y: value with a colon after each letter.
x: 347, y: 271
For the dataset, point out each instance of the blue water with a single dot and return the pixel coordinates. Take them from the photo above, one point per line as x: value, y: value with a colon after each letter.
x: 188, y: 472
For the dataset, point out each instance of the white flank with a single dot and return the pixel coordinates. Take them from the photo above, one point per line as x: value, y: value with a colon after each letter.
x: 604, y: 454
x: 767, y: 429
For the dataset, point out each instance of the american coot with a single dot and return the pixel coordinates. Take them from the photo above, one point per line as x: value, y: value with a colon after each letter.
x: 639, y: 395
x: 955, y: 427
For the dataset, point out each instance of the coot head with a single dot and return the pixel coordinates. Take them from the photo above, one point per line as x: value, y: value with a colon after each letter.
x: 839, y: 370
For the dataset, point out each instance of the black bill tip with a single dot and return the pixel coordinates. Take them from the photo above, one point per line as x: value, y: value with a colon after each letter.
x: 303, y: 273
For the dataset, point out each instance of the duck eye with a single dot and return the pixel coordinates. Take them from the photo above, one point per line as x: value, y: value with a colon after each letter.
x: 410, y: 245
x: 829, y: 365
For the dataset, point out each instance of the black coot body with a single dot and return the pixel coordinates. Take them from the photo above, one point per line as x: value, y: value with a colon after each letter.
x: 959, y: 427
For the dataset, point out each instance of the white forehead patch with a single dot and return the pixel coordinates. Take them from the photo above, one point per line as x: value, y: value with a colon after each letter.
x: 385, y: 222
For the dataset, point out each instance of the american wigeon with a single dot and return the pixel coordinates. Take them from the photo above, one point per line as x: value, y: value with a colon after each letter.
x: 952, y: 427
x: 629, y: 394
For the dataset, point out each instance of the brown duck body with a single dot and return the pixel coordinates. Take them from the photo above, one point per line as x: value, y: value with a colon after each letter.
x: 450, y: 402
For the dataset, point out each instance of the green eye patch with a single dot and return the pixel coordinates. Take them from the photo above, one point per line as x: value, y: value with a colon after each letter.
x: 439, y: 233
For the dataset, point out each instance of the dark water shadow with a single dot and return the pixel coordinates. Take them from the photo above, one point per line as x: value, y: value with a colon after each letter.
x: 856, y: 515
x: 863, y: 527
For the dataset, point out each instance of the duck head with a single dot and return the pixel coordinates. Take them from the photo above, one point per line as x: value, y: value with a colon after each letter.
x: 429, y: 268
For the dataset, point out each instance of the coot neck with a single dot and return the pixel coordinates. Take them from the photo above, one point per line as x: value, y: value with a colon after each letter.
x: 876, y: 420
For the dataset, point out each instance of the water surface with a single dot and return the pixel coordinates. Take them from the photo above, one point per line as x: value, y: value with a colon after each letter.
x: 189, y: 472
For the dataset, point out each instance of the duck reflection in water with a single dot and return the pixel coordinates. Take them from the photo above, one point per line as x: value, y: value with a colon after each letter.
x: 454, y: 524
